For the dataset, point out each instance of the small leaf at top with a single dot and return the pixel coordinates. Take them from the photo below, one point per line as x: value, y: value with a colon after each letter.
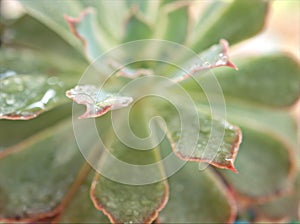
x: 97, y: 102
x: 216, y: 56
x: 24, y: 97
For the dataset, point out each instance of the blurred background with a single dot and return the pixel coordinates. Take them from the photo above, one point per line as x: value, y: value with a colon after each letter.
x: 282, y: 30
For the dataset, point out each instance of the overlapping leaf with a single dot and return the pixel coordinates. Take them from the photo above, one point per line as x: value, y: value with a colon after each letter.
x: 35, y: 187
x: 204, y: 195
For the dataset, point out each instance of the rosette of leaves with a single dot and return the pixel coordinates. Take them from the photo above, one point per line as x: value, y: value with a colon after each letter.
x: 43, y: 176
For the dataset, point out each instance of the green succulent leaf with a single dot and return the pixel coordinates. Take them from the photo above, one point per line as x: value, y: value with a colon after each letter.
x: 97, y: 102
x: 128, y: 203
x: 203, y: 197
x: 282, y: 208
x: 125, y: 199
x: 80, y: 208
x: 47, y: 44
x: 24, y: 97
x: 35, y: 188
x: 261, y: 115
x: 52, y: 15
x: 86, y: 29
x: 15, y: 131
x: 111, y: 27
x: 41, y: 170
x: 215, y: 56
x: 279, y: 83
x: 218, y: 141
x: 260, y: 154
x: 276, y: 122
x: 237, y: 21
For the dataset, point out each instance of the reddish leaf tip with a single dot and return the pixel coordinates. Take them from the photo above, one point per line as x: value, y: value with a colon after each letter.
x: 225, y: 45
x: 73, y: 22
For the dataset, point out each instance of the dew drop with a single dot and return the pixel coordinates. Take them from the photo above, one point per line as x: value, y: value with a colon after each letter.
x: 3, y: 95
x: 111, y: 204
x: 52, y: 80
x: 135, y: 213
x: 10, y: 100
x: 145, y: 201
x: 221, y: 60
x: 229, y: 159
x: 128, y: 212
x: 206, y: 64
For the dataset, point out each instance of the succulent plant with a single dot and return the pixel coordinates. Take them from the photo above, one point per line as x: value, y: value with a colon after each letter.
x: 55, y: 170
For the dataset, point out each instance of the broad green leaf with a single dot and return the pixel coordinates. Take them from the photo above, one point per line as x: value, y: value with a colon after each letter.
x: 282, y: 208
x: 133, y: 195
x: 85, y: 28
x: 36, y: 175
x: 35, y: 62
x: 270, y: 120
x: 14, y: 131
x: 217, y: 144
x: 28, y: 61
x: 197, y: 197
x: 239, y: 20
x: 277, y: 78
x: 55, y: 50
x: 136, y: 27
x: 52, y: 15
x: 80, y: 208
x: 97, y: 101
x: 128, y: 203
x: 260, y: 155
x: 277, y: 122
x: 24, y: 97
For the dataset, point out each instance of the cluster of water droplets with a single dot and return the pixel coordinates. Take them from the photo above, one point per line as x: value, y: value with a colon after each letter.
x: 221, y: 59
x: 215, y: 141
x: 23, y: 95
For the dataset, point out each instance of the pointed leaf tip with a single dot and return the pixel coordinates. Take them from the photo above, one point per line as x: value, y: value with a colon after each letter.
x: 225, y: 45
x: 220, y: 154
x: 97, y: 102
x: 86, y: 28
x: 216, y: 56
